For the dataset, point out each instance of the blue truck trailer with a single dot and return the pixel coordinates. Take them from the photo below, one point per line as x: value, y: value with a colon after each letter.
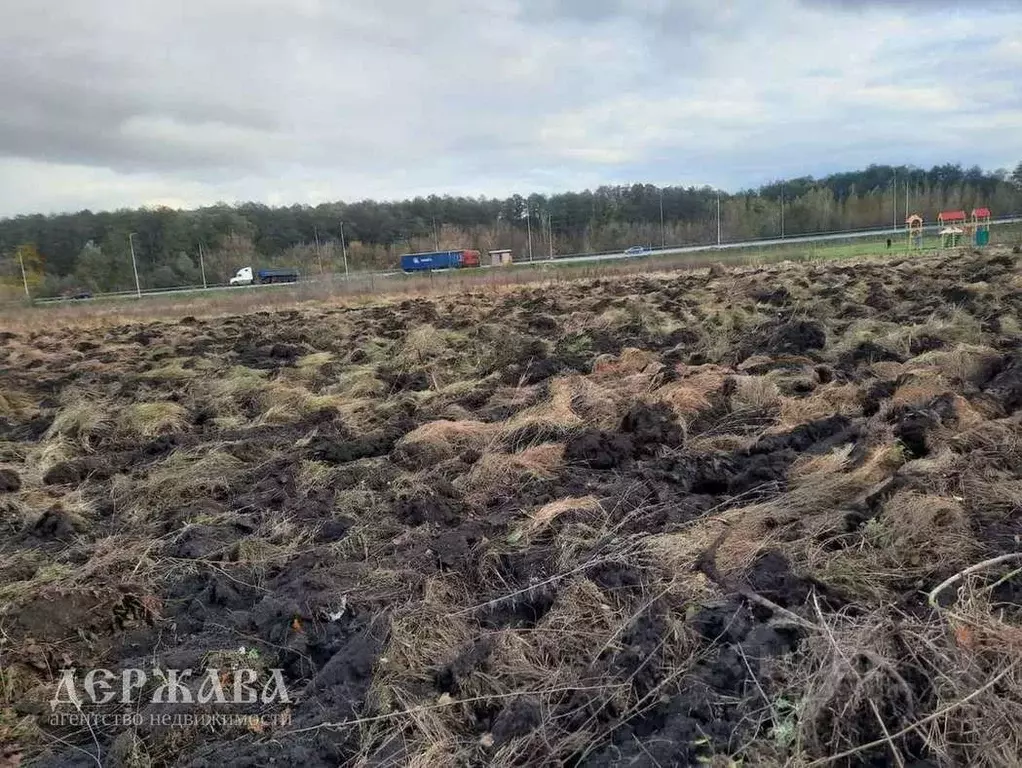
x: 434, y: 260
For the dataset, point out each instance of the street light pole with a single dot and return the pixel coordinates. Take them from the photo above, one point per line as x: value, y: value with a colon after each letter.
x: 528, y: 223
x: 344, y: 252
x: 550, y: 234
x: 24, y: 277
x: 663, y: 232
x: 782, y: 210
x: 134, y: 266
x: 894, y: 200
x: 718, y: 218
x: 202, y: 266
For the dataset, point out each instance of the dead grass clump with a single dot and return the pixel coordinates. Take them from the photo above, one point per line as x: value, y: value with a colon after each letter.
x: 994, y: 443
x: 551, y: 418
x: 275, y: 541
x: 968, y: 417
x: 919, y: 529
x: 755, y: 393
x: 423, y: 636
x: 313, y: 361
x: 171, y: 371
x: 704, y: 379
x: 993, y: 496
x: 439, y: 440
x: 968, y: 363
x: 181, y: 478
x: 920, y: 389
x: 828, y: 400
x: 596, y: 404
x: 953, y: 324
x: 151, y: 419
x: 15, y: 403
x: 83, y: 422
x: 635, y: 315
x: 543, y: 517
x: 686, y: 401
x: 358, y: 382
x: 314, y: 475
x: 886, y: 334
x: 237, y: 390
x: 888, y: 686
x: 505, y: 475
x: 789, y: 521
x: 423, y: 344
x: 630, y: 361
x: 283, y: 404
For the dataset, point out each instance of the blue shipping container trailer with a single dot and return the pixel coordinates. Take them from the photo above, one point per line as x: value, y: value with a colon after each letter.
x: 433, y: 260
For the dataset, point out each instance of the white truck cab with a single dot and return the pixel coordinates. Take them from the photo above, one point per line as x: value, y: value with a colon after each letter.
x: 244, y: 277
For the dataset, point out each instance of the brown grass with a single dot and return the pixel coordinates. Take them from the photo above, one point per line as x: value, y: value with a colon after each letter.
x: 496, y: 574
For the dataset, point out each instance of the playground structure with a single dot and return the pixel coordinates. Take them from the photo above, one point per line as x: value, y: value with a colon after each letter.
x: 955, y: 228
x: 952, y: 225
x: 979, y: 227
x: 914, y: 224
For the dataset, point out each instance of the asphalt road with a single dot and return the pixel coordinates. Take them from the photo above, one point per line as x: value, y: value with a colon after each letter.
x: 576, y: 258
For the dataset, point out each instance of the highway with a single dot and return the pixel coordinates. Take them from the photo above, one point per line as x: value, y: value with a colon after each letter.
x: 898, y: 232
x: 766, y: 243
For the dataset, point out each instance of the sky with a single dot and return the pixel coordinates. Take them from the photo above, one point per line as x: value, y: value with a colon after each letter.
x: 125, y: 103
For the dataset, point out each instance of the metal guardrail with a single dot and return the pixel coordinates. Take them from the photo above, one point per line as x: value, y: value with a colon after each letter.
x: 595, y: 256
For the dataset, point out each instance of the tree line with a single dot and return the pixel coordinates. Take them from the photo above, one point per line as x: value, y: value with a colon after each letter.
x: 92, y: 250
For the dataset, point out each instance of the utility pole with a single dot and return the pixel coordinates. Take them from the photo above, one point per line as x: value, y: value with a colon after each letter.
x: 718, y: 218
x: 319, y: 251
x: 550, y: 233
x: 436, y: 236
x: 528, y: 223
x: 344, y: 253
x: 663, y: 232
x: 202, y: 266
x: 24, y: 278
x: 134, y: 266
x: 894, y: 199
x: 782, y: 210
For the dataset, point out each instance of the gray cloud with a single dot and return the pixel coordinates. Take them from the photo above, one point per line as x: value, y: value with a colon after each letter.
x: 922, y: 6
x: 132, y: 102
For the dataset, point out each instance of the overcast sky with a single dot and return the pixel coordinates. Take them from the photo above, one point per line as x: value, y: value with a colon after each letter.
x: 113, y: 103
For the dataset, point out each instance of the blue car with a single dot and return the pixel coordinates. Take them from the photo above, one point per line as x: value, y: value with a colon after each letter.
x: 636, y: 250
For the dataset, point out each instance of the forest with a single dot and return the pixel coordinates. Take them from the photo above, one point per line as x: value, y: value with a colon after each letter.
x: 92, y: 250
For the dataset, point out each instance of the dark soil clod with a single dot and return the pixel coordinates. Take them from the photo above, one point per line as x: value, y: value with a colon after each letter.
x: 9, y: 481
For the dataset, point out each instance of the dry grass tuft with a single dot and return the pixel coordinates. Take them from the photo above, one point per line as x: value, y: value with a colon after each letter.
x: 553, y: 416
x: 858, y: 689
x: 172, y: 371
x: 548, y: 513
x: 83, y: 422
x: 685, y: 400
x: 755, y: 393
x: 504, y: 475
x: 182, y: 478
x: 358, y: 382
x: 151, y: 419
x: 965, y: 362
x: 15, y: 403
x: 918, y: 529
x: 630, y: 361
x: 598, y: 405
x: 440, y: 440
x: 827, y: 400
x: 422, y: 344
x: 920, y: 390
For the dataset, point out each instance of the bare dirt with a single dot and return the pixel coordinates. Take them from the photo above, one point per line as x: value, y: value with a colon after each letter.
x: 684, y: 519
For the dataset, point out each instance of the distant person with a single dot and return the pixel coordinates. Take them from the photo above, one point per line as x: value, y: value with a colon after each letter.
x: 888, y: 243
